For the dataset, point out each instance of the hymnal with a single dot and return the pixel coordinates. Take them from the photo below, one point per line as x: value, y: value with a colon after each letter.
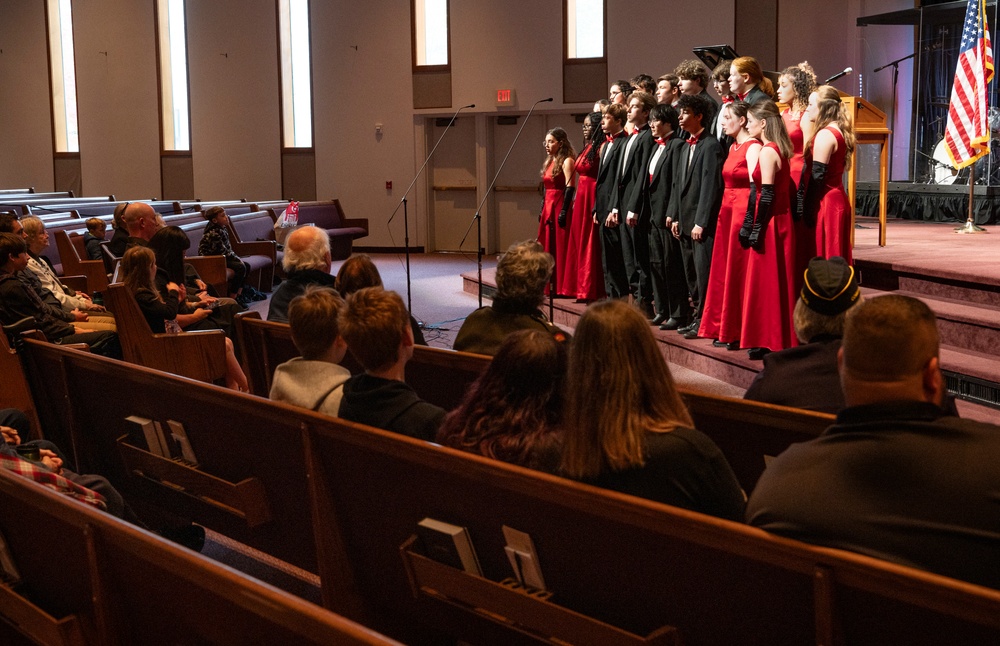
x: 449, y: 544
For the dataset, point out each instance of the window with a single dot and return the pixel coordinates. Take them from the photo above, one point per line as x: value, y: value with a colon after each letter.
x: 430, y: 33
x: 63, y: 68
x: 172, y: 42
x: 296, y: 77
x: 584, y: 28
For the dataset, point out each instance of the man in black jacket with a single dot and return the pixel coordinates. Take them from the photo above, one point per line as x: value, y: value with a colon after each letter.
x: 615, y: 278
x: 307, y: 262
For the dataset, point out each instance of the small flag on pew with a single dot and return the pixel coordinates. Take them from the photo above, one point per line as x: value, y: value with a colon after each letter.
x: 967, y: 134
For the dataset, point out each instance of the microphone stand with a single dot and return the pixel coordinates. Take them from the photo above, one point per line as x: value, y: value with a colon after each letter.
x: 892, y: 115
x: 477, y: 218
x: 406, y: 215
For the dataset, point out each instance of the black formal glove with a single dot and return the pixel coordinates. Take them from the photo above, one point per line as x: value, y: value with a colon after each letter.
x: 567, y: 206
x: 747, y: 227
x: 814, y: 193
x: 763, y: 216
x: 800, y: 195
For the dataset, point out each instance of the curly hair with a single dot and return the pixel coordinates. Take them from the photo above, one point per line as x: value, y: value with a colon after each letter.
x: 513, y: 411
x: 596, y: 137
x: 803, y: 80
x: 643, y: 82
x: 721, y: 71
x: 522, y: 273
x: 692, y: 70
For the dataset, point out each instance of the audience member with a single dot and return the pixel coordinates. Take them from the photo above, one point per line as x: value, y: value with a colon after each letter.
x: 215, y: 242
x: 119, y: 238
x: 358, y: 272
x: 377, y: 329
x: 92, y: 239
x: 512, y: 412
x: 141, y: 222
x: 806, y: 376
x: 307, y: 261
x: 895, y: 477
x: 522, y: 274
x: 316, y: 379
x: 626, y: 427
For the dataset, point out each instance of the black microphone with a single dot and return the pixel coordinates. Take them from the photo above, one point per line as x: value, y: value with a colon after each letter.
x: 548, y: 100
x: 838, y: 75
x: 471, y: 105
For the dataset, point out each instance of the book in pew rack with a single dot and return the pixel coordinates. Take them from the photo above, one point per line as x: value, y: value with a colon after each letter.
x: 449, y: 544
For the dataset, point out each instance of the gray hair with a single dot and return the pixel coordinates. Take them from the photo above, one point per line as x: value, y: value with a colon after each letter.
x: 32, y: 225
x: 522, y: 274
x: 306, y: 248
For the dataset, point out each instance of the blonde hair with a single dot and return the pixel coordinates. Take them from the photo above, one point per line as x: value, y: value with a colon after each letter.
x: 830, y: 109
x: 618, y: 388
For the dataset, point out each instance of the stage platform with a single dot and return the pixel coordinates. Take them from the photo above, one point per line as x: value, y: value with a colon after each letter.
x: 958, y: 276
x: 933, y: 202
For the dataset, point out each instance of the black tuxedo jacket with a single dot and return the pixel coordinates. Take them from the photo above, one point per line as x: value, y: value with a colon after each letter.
x: 696, y: 194
x: 660, y: 181
x: 629, y: 193
x: 756, y: 94
x: 607, y: 177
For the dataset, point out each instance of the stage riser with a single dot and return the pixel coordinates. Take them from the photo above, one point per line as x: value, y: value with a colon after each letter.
x: 887, y: 279
x: 968, y: 336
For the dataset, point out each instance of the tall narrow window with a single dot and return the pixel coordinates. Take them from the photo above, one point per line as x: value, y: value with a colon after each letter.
x: 174, y: 110
x: 430, y: 37
x: 584, y: 28
x: 296, y: 79
x: 63, y: 72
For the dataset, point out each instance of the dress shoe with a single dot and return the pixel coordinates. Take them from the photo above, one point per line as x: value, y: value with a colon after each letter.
x: 692, y: 332
x: 733, y: 345
x: 719, y: 344
x: 758, y: 354
x: 672, y: 324
x: 695, y: 324
x: 658, y: 319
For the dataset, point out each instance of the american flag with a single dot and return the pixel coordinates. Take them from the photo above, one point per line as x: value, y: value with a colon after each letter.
x: 967, y: 136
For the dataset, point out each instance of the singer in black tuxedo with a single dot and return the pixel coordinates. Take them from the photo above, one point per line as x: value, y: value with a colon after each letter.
x: 631, y: 202
x: 670, y: 291
x: 696, y: 199
x: 615, y: 278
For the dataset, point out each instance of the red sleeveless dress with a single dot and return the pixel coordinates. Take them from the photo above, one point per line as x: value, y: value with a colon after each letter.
x: 554, y: 188
x: 583, y: 271
x: 833, y: 220
x: 805, y: 238
x: 769, y: 296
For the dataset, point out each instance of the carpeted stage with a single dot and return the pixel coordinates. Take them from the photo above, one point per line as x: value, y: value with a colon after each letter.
x: 957, y: 275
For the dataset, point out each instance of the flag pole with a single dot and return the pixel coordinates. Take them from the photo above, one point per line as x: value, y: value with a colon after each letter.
x: 970, y: 224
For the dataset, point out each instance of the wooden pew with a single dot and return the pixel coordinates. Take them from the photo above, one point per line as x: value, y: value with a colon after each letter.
x: 621, y: 570
x: 89, y: 578
x: 15, y: 392
x: 75, y: 261
x: 438, y: 375
x: 200, y: 354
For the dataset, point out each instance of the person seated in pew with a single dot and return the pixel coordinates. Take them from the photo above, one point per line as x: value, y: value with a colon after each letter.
x: 169, y: 245
x: 626, y: 427
x: 120, y: 236
x: 307, y: 261
x: 896, y: 477
x: 522, y: 274
x: 513, y: 411
x: 139, y: 275
x: 358, y: 272
x: 215, y: 242
x: 92, y: 239
x: 20, y: 301
x: 96, y: 317
x: 377, y: 329
x: 315, y: 380
x: 806, y: 376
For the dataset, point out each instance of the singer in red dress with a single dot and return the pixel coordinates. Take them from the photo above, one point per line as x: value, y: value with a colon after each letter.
x: 582, y: 272
x: 795, y: 85
x: 723, y: 314
x: 828, y: 153
x: 558, y: 178
x: 769, y: 238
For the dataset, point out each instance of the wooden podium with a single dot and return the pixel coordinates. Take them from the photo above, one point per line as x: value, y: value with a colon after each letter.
x: 869, y: 128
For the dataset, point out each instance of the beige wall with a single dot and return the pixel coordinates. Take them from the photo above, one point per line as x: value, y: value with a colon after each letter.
x: 361, y: 76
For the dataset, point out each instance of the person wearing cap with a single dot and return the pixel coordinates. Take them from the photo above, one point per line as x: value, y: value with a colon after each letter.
x: 896, y: 477
x: 806, y: 376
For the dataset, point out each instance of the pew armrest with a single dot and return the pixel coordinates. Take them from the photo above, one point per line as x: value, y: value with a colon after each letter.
x: 245, y: 499
x: 37, y: 624
x: 508, y: 603
x: 212, y: 270
x: 267, y: 248
x: 76, y: 283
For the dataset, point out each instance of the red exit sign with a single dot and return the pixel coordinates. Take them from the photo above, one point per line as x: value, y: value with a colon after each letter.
x: 505, y: 97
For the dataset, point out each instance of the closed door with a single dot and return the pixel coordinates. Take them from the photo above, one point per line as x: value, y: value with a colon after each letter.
x: 452, y: 174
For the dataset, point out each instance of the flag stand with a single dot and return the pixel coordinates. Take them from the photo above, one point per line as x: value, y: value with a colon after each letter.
x: 970, y: 225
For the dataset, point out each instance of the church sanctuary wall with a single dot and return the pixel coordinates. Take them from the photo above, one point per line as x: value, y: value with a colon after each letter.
x: 25, y: 112
x: 117, y: 97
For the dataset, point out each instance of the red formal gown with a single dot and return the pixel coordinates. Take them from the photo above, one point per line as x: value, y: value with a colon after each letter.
x: 833, y: 219
x: 723, y: 310
x: 554, y: 189
x: 582, y: 270
x: 769, y: 297
x: 805, y: 237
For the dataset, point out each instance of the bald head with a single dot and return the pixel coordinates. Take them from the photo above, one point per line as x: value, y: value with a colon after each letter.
x: 141, y: 221
x: 890, y: 351
x: 307, y: 248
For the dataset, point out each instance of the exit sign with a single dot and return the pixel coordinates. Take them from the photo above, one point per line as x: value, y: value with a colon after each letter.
x: 505, y: 98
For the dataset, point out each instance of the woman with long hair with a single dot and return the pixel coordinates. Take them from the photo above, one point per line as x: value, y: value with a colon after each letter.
x: 558, y: 177
x: 512, y: 412
x: 581, y: 268
x: 139, y: 276
x: 723, y: 314
x: 747, y: 81
x: 828, y: 153
x: 626, y: 427
x: 768, y: 236
x: 795, y: 85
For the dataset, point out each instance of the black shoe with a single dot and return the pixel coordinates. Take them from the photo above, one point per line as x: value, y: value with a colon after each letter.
x: 719, y: 344
x: 658, y: 319
x: 695, y: 324
x: 673, y: 324
x: 733, y: 345
x: 190, y: 536
x: 692, y: 332
x: 758, y: 354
